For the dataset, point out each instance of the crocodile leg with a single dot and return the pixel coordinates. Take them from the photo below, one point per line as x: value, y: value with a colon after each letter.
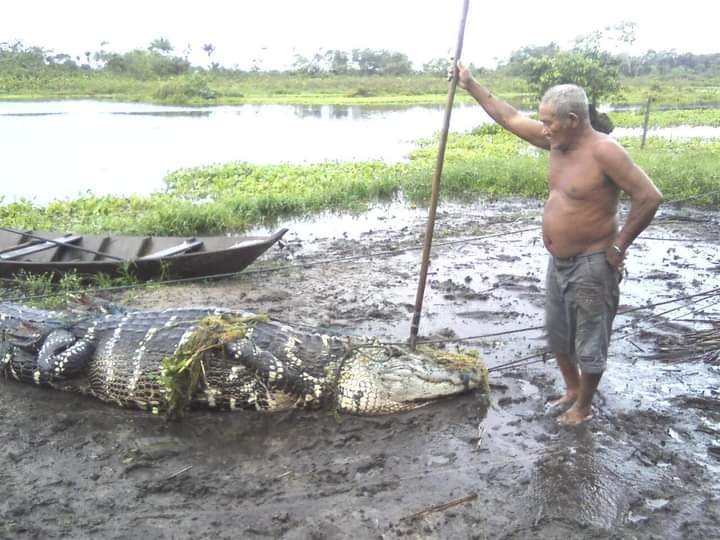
x: 63, y: 355
x: 275, y: 373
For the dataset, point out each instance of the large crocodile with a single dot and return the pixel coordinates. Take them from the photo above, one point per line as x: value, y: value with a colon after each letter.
x: 171, y: 360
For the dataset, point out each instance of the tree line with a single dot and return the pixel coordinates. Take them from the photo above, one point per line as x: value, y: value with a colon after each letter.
x: 652, y: 62
x: 589, y: 63
x: 159, y: 60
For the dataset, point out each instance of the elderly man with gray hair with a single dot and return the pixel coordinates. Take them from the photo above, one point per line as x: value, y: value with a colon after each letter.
x: 580, y: 230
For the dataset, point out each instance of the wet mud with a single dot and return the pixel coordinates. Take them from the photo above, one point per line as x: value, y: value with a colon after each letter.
x: 646, y: 466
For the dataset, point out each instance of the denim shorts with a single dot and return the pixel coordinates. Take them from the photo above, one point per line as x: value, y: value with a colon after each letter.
x: 582, y: 295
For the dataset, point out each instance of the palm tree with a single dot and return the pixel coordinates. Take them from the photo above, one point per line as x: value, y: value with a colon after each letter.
x: 161, y: 45
x: 209, y: 49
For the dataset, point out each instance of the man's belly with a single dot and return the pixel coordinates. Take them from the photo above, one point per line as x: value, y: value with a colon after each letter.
x: 574, y: 230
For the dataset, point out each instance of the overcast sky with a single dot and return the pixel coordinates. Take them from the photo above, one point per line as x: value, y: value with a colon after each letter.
x: 274, y: 30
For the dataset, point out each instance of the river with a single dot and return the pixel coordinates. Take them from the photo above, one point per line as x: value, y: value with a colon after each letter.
x: 61, y: 149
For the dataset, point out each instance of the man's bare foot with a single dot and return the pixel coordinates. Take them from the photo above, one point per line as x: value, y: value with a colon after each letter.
x: 558, y: 406
x: 574, y: 417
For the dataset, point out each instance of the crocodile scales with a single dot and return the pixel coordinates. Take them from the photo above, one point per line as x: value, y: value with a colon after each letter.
x: 119, y: 358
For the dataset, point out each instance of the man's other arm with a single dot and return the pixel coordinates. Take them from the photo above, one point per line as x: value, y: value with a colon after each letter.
x: 645, y: 198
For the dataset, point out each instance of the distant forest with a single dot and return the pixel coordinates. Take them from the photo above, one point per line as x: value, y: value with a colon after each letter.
x: 159, y: 60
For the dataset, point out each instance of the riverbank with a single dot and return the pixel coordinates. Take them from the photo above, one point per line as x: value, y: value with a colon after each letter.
x: 645, y: 467
x: 234, y: 88
x: 233, y: 197
x: 229, y: 88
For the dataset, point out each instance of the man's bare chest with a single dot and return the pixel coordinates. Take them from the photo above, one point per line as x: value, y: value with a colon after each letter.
x: 577, y: 176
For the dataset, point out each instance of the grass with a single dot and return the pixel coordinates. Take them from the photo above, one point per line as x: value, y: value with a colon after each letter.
x: 668, y: 118
x: 237, y: 196
x: 42, y: 291
x: 684, y: 170
x: 47, y: 291
x: 229, y: 88
x: 673, y: 91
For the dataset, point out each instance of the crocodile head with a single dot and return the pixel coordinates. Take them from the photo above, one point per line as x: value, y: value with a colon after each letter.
x: 387, y: 379
x: 22, y: 327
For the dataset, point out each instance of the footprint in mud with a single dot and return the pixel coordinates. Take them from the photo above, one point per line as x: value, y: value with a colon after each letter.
x: 518, y: 283
x: 454, y: 290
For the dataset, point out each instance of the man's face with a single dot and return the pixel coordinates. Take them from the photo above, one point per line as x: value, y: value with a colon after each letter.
x: 554, y: 128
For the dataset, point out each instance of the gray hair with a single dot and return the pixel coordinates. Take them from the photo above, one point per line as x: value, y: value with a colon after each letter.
x: 567, y: 98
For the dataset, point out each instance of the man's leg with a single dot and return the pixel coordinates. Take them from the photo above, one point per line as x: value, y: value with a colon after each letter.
x: 557, y: 327
x: 581, y: 409
x: 596, y: 297
x: 571, y: 376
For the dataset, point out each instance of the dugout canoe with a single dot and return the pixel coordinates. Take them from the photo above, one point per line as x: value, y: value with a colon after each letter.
x: 145, y: 257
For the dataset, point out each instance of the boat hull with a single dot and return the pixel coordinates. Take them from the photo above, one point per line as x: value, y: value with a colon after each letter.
x: 141, y: 257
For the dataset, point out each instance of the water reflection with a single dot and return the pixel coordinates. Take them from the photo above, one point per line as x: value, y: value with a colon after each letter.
x: 334, y: 112
x: 305, y: 111
x: 340, y: 112
x: 31, y: 114
x: 166, y: 114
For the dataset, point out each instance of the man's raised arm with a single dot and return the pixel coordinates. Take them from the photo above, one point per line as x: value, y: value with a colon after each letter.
x: 504, y: 114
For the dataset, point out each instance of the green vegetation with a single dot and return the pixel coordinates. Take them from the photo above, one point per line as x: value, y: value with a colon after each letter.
x: 668, y: 118
x: 684, y: 170
x: 488, y: 162
x: 586, y: 65
x: 53, y: 292
x: 41, y: 291
x: 184, y: 372
x: 360, y: 76
x: 670, y: 91
x: 156, y: 76
x: 229, y: 88
x: 235, y: 196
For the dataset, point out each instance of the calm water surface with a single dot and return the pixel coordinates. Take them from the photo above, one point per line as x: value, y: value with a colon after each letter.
x: 60, y: 149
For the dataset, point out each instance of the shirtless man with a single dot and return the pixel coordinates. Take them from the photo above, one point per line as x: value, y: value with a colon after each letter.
x: 580, y: 230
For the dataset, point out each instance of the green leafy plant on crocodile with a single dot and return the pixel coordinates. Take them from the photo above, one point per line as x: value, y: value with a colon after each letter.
x: 182, y: 373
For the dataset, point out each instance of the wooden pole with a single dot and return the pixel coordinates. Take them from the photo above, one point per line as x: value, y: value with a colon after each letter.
x: 436, y: 183
x: 645, y: 122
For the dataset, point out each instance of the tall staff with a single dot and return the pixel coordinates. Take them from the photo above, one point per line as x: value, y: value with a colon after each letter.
x: 436, y: 183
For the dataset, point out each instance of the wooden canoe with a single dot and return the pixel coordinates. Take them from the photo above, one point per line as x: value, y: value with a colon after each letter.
x: 145, y: 257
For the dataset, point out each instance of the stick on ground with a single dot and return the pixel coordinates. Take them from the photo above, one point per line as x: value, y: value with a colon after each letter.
x: 440, y: 507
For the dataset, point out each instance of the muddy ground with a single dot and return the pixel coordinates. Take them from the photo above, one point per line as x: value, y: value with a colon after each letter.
x: 646, y: 466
